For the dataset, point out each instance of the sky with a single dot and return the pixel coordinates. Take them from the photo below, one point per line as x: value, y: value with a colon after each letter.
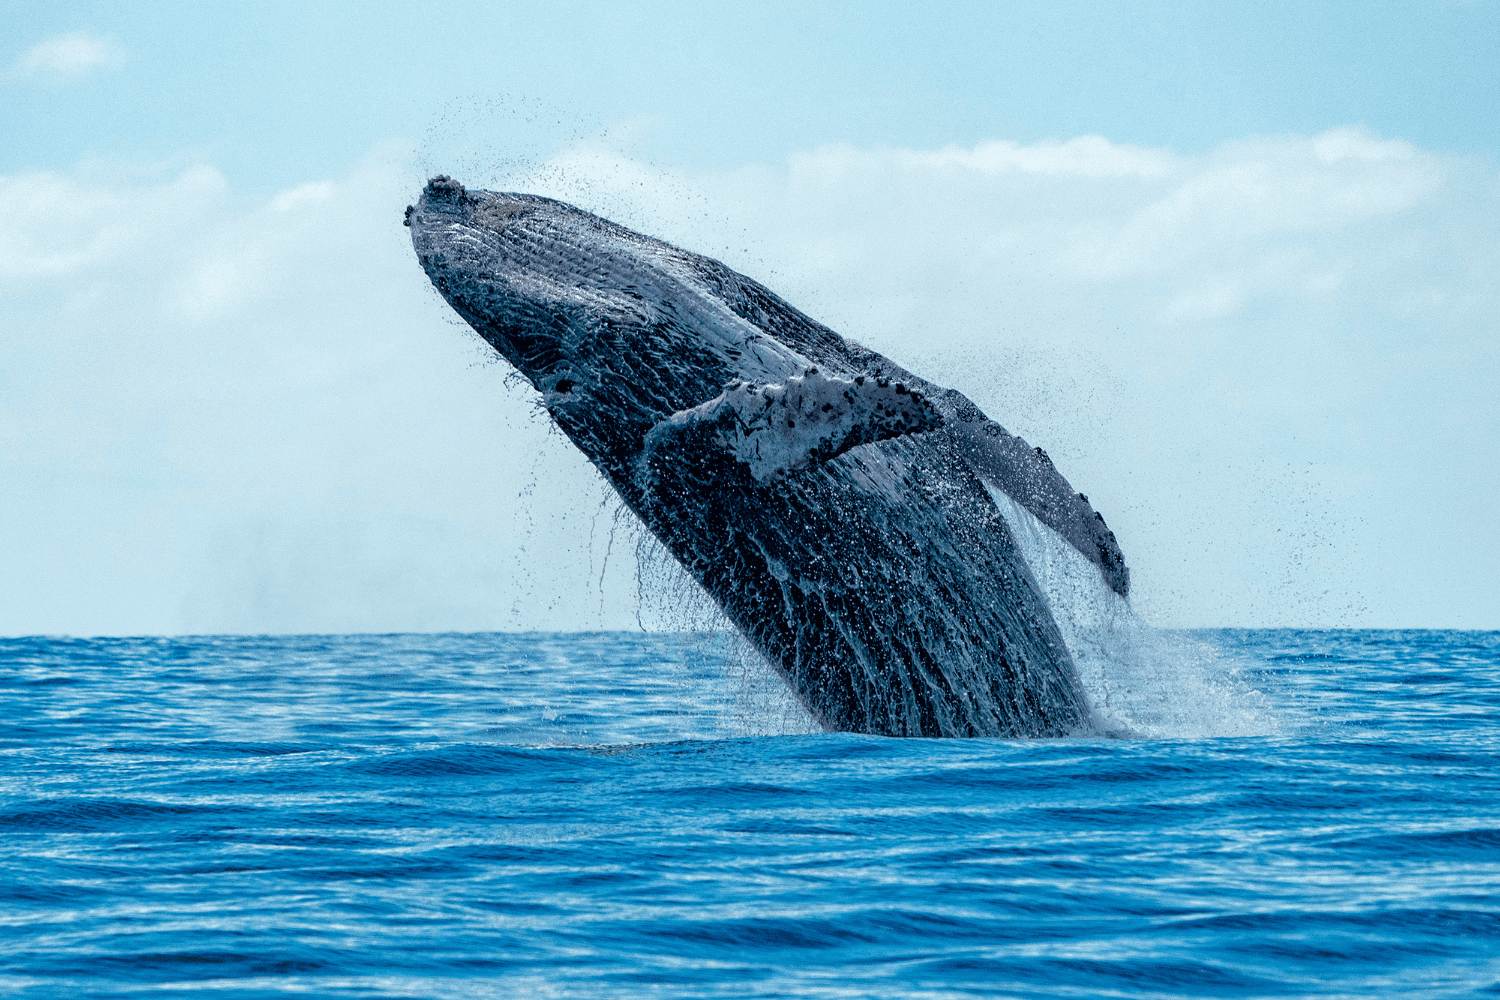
x: 1235, y: 269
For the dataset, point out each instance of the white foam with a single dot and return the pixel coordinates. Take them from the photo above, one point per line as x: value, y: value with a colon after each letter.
x: 1140, y: 681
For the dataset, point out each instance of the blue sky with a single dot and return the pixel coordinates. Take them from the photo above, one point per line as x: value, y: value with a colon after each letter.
x: 274, y: 93
x: 1236, y: 266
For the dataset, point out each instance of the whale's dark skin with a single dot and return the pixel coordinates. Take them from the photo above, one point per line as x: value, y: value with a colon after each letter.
x: 835, y: 506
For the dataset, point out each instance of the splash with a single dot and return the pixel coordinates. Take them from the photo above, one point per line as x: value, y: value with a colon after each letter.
x: 1141, y: 682
x: 743, y: 692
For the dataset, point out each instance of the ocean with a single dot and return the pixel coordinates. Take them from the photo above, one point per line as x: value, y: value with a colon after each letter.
x: 1275, y: 813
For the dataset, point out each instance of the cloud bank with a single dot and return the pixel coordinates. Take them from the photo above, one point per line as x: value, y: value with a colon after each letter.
x: 66, y: 58
x: 1269, y: 366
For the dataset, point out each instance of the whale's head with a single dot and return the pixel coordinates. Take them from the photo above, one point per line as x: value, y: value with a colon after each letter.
x: 614, y: 329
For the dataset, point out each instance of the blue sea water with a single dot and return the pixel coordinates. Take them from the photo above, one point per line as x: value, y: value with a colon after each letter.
x: 636, y: 815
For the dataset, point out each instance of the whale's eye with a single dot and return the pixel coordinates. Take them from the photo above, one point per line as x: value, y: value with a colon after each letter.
x: 563, y: 385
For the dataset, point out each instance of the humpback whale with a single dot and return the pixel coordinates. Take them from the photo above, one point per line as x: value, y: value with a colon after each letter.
x: 838, y: 508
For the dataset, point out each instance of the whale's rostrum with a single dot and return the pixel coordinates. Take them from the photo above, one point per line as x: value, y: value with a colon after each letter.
x: 833, y: 504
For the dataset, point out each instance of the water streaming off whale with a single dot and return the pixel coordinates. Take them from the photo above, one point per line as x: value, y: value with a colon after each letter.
x: 1139, y: 681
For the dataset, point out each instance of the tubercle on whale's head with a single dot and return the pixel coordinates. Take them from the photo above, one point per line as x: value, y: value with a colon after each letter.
x: 575, y: 303
x: 500, y: 274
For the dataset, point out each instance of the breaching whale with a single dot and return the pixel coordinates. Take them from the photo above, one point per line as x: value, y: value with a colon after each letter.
x: 835, y: 506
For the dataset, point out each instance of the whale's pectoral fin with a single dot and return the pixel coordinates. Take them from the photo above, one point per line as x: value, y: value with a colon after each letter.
x: 776, y: 429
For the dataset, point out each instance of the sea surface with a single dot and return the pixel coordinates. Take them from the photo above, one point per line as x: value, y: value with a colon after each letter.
x: 1278, y: 813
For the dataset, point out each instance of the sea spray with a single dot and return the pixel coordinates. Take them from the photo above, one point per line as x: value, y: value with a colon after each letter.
x: 749, y: 697
x: 1140, y: 681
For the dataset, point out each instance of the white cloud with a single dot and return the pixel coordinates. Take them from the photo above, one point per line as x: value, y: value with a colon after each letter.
x: 1225, y: 322
x: 58, y: 227
x: 65, y: 58
x: 302, y: 195
x: 895, y: 240
x: 1270, y: 366
x: 1086, y: 156
x: 263, y: 419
